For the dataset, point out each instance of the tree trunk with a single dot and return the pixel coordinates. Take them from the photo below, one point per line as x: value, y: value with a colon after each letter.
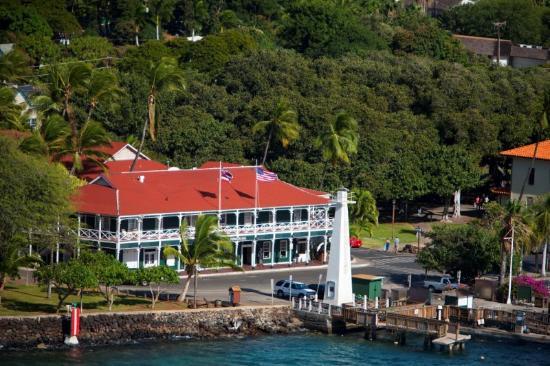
x: 267, y: 145
x: 158, y: 26
x: 140, y: 147
x: 195, y: 289
x: 183, y: 294
x: 503, y: 258
x: 544, y: 259
x: 137, y: 35
x: 153, y: 298
x: 457, y: 208
x: 2, y: 281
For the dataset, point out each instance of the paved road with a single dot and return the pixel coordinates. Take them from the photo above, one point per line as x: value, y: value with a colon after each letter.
x: 256, y: 287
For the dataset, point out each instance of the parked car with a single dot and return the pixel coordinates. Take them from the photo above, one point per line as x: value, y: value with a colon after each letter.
x: 285, y: 288
x: 444, y: 283
x: 355, y: 242
x: 319, y: 290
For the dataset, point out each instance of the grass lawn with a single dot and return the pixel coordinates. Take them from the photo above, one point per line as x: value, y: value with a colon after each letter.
x: 31, y: 300
x: 404, y: 231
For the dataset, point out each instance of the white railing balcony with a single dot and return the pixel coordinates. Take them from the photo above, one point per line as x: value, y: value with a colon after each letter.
x: 230, y: 230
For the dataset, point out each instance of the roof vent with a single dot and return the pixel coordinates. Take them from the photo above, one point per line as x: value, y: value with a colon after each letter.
x: 141, y: 178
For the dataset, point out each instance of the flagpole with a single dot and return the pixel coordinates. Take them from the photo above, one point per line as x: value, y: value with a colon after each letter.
x: 220, y: 190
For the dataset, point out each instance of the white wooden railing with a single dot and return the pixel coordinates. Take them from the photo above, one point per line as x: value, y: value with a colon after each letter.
x: 230, y: 230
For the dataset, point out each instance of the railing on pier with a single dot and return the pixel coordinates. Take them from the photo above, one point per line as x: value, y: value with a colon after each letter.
x: 435, y: 327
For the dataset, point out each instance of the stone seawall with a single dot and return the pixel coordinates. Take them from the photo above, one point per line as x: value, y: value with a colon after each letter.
x: 112, y: 328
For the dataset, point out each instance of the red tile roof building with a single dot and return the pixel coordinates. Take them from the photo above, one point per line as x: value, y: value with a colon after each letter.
x: 134, y: 214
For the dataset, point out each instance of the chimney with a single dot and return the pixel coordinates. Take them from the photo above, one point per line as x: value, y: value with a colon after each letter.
x: 141, y: 178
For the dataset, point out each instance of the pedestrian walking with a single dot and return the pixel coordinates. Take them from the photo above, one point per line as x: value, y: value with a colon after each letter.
x: 387, y: 245
x: 396, y: 244
x: 477, y: 203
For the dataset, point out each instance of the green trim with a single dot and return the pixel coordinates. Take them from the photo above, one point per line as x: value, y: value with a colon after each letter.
x: 153, y: 244
x: 132, y: 245
x: 283, y: 236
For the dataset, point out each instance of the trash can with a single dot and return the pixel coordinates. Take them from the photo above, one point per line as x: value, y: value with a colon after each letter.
x: 234, y: 295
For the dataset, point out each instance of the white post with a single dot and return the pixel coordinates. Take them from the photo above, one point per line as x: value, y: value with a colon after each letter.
x: 308, y: 257
x: 272, y: 252
x: 387, y: 302
x: 376, y: 302
x: 253, y: 253
x: 544, y: 259
x: 365, y: 302
x: 509, y: 300
x: 237, y: 250
x: 78, y: 237
x: 140, y: 229
x: 178, y: 263
x: 99, y: 232
x: 325, y: 249
x: 138, y: 250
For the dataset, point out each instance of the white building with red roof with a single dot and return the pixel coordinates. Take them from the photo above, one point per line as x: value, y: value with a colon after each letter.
x: 536, y: 180
x: 135, y: 214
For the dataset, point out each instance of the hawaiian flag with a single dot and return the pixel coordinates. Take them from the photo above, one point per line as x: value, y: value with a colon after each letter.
x: 226, y: 175
x: 263, y: 175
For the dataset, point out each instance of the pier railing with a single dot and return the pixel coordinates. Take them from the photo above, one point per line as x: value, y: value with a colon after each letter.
x: 419, y: 324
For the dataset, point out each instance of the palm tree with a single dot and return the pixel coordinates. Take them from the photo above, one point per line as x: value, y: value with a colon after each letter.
x: 102, y: 88
x: 283, y: 126
x: 48, y: 139
x: 10, y: 113
x: 14, y: 67
x: 338, y: 141
x: 164, y: 75
x: 210, y: 248
x: 363, y: 213
x: 540, y: 213
x: 90, y: 136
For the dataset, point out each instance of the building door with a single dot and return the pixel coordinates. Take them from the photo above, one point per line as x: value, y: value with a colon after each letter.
x: 247, y: 255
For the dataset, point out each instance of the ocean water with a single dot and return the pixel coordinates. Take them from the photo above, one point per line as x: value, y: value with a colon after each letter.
x: 300, y: 350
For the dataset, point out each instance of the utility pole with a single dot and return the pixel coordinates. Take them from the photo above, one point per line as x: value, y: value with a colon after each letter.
x: 393, y: 219
x: 498, y: 26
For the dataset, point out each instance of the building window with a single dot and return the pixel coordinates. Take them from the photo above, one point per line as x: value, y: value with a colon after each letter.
x: 149, y: 258
x: 105, y: 223
x: 532, y: 177
x: 331, y: 290
x: 266, y: 249
x: 302, y: 247
x: 283, y: 248
x: 132, y: 224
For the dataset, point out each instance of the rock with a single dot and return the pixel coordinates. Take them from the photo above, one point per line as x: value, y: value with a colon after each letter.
x: 41, y: 346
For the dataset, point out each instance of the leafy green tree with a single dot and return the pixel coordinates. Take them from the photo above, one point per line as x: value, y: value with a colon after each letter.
x: 320, y: 27
x: 23, y: 19
x: 102, y: 88
x: 524, y: 20
x: 209, y: 248
x: 11, y: 259
x: 162, y: 76
x: 155, y: 278
x: 161, y: 11
x: 451, y: 169
x: 470, y: 248
x: 283, y: 127
x: 89, y: 138
x: 339, y: 140
x: 35, y: 197
x: 41, y: 49
x: 135, y: 13
x: 109, y: 273
x: 68, y: 278
x: 91, y: 48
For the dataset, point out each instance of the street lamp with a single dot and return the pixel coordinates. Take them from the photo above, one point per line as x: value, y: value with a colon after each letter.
x: 393, y: 219
x: 509, y: 300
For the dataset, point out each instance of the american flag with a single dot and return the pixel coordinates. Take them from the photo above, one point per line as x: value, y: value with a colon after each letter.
x: 263, y: 175
x: 226, y: 175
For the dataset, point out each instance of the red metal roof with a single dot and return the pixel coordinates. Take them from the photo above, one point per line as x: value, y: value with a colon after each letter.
x: 543, y: 151
x: 119, y: 166
x: 191, y: 190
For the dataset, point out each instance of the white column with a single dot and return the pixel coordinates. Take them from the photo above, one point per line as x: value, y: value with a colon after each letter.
x: 308, y: 257
x: 99, y: 232
x: 117, y: 253
x: 237, y: 250
x: 138, y: 250
x: 117, y: 234
x: 158, y: 255
x: 140, y: 229
x: 253, y: 253
x: 159, y: 226
x: 325, y: 249
x: 78, y: 237
x: 178, y: 263
x: 272, y: 251
x: 289, y: 250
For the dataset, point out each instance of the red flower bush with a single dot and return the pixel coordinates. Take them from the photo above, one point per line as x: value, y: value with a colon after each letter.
x: 539, y: 287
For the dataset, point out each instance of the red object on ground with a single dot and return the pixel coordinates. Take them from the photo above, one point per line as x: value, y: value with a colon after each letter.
x: 355, y: 242
x: 75, y: 321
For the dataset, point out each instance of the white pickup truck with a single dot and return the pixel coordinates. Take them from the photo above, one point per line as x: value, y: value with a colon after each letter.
x: 444, y: 283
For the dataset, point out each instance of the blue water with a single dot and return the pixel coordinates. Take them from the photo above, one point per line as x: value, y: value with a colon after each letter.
x: 300, y: 350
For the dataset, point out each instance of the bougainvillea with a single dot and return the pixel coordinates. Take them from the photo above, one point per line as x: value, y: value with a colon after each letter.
x: 539, y: 287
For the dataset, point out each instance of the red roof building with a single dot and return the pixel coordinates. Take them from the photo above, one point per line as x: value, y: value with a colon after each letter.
x: 529, y: 179
x: 135, y: 214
